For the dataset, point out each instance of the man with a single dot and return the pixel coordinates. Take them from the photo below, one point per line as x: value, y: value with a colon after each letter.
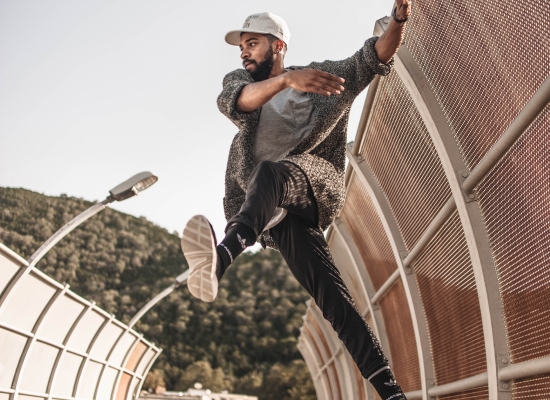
x: 285, y: 173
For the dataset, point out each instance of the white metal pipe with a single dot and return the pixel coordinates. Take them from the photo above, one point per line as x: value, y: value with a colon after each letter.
x: 459, y: 386
x: 525, y: 369
x: 180, y: 280
x: 386, y: 286
x: 528, y: 114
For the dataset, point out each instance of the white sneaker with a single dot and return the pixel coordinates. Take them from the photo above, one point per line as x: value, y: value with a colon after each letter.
x: 199, y: 248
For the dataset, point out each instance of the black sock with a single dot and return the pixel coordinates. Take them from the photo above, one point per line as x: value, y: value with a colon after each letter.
x: 386, y: 386
x: 236, y: 240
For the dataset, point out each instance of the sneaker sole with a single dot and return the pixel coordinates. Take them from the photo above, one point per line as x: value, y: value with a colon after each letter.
x: 199, y: 248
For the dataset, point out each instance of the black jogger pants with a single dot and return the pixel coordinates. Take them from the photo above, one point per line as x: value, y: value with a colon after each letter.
x: 303, y: 246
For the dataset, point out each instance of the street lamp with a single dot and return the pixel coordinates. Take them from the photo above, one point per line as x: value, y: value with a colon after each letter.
x: 125, y: 190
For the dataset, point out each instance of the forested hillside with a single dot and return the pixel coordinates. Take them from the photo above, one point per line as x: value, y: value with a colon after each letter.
x: 245, y: 341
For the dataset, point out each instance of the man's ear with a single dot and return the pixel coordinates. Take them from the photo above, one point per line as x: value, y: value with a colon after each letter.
x: 279, y: 46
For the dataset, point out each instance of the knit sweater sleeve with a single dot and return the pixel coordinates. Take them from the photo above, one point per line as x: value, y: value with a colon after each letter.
x: 233, y: 83
x: 359, y: 69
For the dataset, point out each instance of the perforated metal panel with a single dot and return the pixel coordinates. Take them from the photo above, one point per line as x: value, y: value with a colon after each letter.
x: 8, y: 269
x: 107, y: 384
x: 85, y: 331
x: 145, y: 360
x: 68, y: 368
x: 367, y: 231
x: 89, y: 380
x: 447, y: 286
x: 10, y: 312
x: 60, y: 319
x: 401, y: 155
x: 122, y: 348
x: 535, y: 388
x: 105, y: 341
x: 483, y: 60
x: 135, y: 357
x: 38, y: 368
x: 123, y: 386
x: 515, y: 199
x: 399, y: 329
x: 11, y: 347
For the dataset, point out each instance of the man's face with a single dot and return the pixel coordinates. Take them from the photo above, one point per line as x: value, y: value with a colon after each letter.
x: 257, y: 55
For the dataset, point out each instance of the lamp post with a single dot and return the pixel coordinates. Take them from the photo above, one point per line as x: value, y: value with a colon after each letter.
x: 123, y: 191
x: 180, y: 280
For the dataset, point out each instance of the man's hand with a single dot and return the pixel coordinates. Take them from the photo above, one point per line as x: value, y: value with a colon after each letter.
x: 403, y: 9
x: 255, y: 95
x: 389, y: 42
x: 313, y: 81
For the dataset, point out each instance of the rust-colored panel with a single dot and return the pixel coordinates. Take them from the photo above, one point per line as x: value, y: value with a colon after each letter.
x: 515, y: 202
x: 483, y: 61
x: 136, y: 355
x: 399, y: 329
x: 400, y: 152
x: 531, y: 388
x: 481, y: 393
x: 367, y: 232
x: 447, y: 287
x: 123, y: 386
x: 313, y: 343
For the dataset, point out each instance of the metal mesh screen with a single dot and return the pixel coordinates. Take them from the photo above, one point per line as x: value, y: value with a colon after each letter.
x: 11, y: 347
x: 7, y: 271
x: 85, y: 331
x: 39, y: 368
x: 107, y: 383
x: 531, y: 388
x: 447, y: 287
x: 401, y: 155
x: 20, y: 300
x: 122, y: 348
x: 66, y: 375
x: 136, y: 355
x: 60, y: 319
x: 367, y: 232
x: 515, y: 200
x: 483, y: 60
x: 105, y: 341
x: 481, y: 393
x: 89, y: 380
x: 123, y: 386
x: 399, y: 329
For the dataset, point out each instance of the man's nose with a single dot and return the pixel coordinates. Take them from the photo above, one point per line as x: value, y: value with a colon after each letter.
x: 245, y: 54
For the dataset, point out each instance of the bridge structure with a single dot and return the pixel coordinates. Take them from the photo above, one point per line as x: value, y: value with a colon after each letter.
x: 444, y: 238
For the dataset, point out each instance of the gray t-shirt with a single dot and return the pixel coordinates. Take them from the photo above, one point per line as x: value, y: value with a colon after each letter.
x: 285, y: 121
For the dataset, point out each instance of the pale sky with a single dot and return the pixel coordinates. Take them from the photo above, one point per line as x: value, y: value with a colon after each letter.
x: 93, y: 92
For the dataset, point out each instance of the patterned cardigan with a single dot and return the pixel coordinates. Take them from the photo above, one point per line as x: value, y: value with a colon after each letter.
x: 322, y: 154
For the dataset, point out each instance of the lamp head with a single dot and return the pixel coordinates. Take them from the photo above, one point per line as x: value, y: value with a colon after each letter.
x: 133, y: 186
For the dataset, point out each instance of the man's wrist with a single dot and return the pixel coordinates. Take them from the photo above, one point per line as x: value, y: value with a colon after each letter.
x: 396, y: 19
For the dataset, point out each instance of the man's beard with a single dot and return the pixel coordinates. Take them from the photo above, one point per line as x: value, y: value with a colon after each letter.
x: 264, y: 67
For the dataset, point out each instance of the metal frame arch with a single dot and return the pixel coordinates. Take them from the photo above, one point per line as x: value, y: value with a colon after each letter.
x: 337, y: 347
x: 318, y: 375
x: 469, y: 213
x: 341, y: 229
x: 420, y: 327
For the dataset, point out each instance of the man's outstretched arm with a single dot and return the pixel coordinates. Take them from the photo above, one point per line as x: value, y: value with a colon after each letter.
x: 389, y: 42
x: 255, y: 95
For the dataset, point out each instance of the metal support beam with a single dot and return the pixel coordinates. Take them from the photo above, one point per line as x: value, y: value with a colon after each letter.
x: 396, y: 276
x: 519, y: 125
x: 469, y: 213
x: 420, y: 327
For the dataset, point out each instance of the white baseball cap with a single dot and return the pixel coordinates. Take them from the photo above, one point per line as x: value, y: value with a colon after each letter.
x: 265, y: 23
